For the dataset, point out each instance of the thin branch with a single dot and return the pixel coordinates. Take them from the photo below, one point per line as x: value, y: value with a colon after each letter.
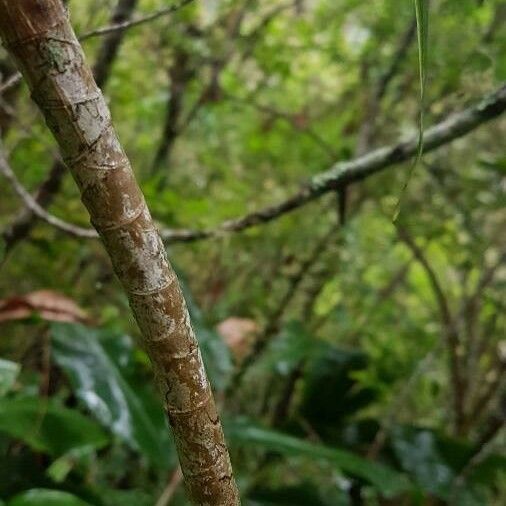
x: 125, y: 25
x: 289, y: 119
x: 398, y: 57
x: 274, y: 320
x: 110, y: 44
x: 105, y: 30
x: 487, y: 277
x: 368, y: 127
x: 180, y: 74
x: 482, y: 402
x: 169, y: 491
x: 342, y: 174
x: 358, y: 169
x: 398, y: 402
x: 383, y: 294
x: 24, y: 221
x: 11, y: 82
x: 31, y: 204
x: 478, y: 454
x: 449, y: 327
x: 439, y: 293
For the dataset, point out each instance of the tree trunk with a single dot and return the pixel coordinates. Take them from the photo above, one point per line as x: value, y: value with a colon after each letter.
x: 38, y: 35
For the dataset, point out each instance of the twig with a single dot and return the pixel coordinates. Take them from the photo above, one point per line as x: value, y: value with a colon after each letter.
x: 124, y: 25
x: 344, y: 173
x: 478, y: 454
x: 12, y: 81
x: 105, y: 30
x: 275, y: 318
x: 36, y: 209
x: 448, y: 324
x: 170, y: 489
x: 289, y: 119
x: 386, y: 422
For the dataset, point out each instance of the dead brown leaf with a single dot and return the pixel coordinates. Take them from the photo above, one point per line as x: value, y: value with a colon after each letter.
x: 238, y: 334
x: 47, y: 304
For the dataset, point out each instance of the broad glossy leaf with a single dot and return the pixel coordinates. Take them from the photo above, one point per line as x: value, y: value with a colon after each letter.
x: 385, y: 479
x: 290, y: 347
x: 46, y: 497
x: 8, y: 373
x: 435, y: 462
x: 331, y: 393
x: 99, y: 383
x: 420, y: 456
x: 46, y: 426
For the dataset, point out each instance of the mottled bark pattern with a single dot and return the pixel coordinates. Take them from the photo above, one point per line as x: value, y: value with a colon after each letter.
x: 38, y: 35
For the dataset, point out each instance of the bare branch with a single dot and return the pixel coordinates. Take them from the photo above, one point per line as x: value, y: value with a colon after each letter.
x: 105, y: 30
x: 31, y: 204
x: 276, y: 317
x: 358, y: 169
x: 449, y: 328
x: 110, y: 44
x: 21, y: 225
x: 12, y: 81
x: 342, y: 174
x: 169, y: 491
x: 289, y: 119
x: 124, y: 25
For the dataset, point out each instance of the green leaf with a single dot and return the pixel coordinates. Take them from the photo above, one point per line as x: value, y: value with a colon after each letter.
x: 8, y: 374
x: 99, y: 383
x: 133, y: 497
x: 435, y: 462
x: 419, y: 455
x: 422, y: 30
x: 422, y: 25
x: 386, y: 480
x: 46, y: 426
x: 331, y: 393
x: 45, y: 497
x: 290, y: 347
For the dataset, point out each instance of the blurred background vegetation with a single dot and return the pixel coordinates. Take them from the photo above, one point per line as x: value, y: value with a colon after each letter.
x: 378, y: 362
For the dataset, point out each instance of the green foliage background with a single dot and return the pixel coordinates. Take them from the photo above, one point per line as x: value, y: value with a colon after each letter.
x: 359, y: 337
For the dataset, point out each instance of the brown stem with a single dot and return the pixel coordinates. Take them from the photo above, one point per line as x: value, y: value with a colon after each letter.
x: 23, y: 223
x: 179, y: 73
x: 272, y: 325
x: 38, y: 35
x: 368, y: 127
x: 110, y: 45
x: 449, y: 328
x: 126, y: 24
x: 171, y: 488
